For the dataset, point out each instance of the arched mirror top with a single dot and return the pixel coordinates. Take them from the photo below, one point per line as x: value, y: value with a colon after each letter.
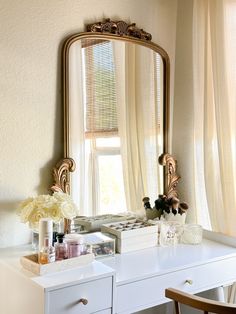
x: 126, y: 33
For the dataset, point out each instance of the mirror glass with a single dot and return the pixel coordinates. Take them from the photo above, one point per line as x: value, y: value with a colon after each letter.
x: 115, y: 107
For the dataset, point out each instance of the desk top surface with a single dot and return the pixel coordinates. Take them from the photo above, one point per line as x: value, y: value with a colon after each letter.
x: 127, y: 267
x: 162, y: 260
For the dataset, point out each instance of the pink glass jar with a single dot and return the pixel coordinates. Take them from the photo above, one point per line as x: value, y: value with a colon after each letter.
x: 75, y: 245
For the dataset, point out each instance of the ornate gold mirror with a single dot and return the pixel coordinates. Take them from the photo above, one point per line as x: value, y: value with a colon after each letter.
x: 116, y: 119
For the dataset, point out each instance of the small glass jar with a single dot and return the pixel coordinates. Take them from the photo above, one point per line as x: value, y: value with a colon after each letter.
x: 170, y: 233
x: 35, y: 240
x: 75, y: 245
x: 192, y: 234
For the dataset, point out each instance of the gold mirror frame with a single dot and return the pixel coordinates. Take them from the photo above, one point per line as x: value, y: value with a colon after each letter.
x: 119, y: 30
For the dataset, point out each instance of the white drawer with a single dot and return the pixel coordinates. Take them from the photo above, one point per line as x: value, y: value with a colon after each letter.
x: 98, y: 293
x: 145, y: 293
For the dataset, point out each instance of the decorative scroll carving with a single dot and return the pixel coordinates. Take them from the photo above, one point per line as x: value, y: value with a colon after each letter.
x: 62, y: 182
x: 171, y: 175
x: 119, y: 28
x: 61, y: 175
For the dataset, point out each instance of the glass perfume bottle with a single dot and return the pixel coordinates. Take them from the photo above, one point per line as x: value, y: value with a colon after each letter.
x: 47, y: 252
x: 60, y: 247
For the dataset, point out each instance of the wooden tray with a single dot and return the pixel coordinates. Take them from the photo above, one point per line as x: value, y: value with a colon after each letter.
x: 30, y: 262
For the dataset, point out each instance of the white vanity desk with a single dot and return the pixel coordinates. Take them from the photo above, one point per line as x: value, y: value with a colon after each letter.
x: 122, y: 284
x: 143, y: 276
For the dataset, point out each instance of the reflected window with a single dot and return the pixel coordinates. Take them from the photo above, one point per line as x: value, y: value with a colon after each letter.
x: 101, y: 129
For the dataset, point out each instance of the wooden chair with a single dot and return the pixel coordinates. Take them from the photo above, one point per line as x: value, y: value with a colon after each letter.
x: 206, y: 305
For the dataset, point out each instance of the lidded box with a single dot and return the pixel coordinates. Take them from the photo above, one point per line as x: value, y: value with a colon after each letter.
x: 102, y: 245
x: 132, y: 235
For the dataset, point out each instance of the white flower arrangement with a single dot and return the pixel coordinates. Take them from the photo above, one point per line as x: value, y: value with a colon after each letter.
x: 57, y: 206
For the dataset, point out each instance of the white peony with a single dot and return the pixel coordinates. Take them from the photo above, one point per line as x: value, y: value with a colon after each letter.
x: 34, y: 218
x: 57, y: 206
x: 67, y: 206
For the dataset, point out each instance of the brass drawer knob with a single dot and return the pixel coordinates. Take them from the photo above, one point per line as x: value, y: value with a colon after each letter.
x: 189, y: 281
x: 83, y: 301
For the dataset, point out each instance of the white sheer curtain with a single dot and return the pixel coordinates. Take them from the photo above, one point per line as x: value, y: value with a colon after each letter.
x: 137, y: 121
x: 78, y: 150
x: 214, y: 51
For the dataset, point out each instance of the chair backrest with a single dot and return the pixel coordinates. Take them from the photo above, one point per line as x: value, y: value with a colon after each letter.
x: 206, y: 305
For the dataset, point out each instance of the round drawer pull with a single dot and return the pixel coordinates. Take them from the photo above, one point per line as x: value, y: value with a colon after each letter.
x: 189, y: 281
x: 83, y: 301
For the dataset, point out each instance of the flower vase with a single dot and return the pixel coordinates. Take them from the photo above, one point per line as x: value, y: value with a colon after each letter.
x: 35, y: 240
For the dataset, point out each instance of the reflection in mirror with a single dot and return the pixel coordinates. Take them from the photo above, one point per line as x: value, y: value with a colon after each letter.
x: 116, y: 124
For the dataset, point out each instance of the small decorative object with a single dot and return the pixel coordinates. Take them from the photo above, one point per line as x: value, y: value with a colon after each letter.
x: 57, y: 206
x: 170, y: 233
x: 120, y: 28
x: 192, y: 234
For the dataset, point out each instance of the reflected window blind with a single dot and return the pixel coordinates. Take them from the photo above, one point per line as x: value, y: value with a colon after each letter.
x: 158, y: 80
x: 100, y: 91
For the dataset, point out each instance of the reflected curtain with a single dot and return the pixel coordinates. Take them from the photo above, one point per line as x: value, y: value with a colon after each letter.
x: 80, y: 178
x: 138, y: 112
x: 214, y: 50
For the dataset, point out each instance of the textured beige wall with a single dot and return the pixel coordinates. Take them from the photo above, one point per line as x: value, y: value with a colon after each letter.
x: 31, y: 34
x: 182, y: 147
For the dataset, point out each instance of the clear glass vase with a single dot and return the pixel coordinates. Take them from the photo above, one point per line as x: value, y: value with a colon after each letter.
x: 58, y: 226
x: 35, y: 240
